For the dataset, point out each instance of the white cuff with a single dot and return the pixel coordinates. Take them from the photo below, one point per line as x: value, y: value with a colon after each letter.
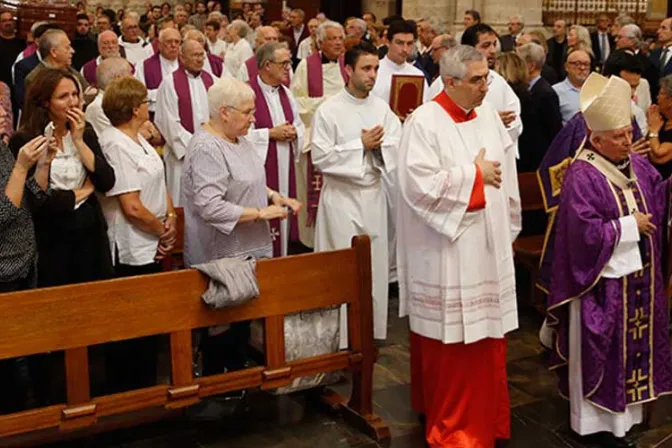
x: 629, y: 230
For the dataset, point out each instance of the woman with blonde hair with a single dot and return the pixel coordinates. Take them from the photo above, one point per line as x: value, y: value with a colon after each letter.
x: 578, y: 38
x: 514, y: 70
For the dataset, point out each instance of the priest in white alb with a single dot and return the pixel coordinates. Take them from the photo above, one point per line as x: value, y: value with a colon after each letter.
x: 355, y: 140
x: 458, y: 215
x: 153, y: 70
x: 181, y: 108
x: 318, y: 77
x: 277, y: 135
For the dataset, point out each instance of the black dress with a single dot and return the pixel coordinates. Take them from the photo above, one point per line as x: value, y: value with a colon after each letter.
x: 665, y: 136
x: 72, y: 244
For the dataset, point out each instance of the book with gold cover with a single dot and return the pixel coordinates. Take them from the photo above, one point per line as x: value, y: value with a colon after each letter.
x: 406, y: 93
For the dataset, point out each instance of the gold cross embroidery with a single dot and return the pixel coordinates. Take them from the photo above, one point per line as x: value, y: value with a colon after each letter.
x: 317, y: 182
x: 636, y: 391
x: 638, y: 324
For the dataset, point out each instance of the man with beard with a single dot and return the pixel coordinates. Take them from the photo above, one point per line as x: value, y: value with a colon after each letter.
x: 108, y: 47
x: 10, y: 46
x: 354, y: 143
x: 83, y: 44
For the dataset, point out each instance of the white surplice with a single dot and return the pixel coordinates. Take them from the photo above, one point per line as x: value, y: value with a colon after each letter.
x: 353, y: 200
x: 305, y: 48
x: 136, y: 52
x: 382, y: 90
x: 208, y: 68
x: 585, y: 417
x: 236, y: 55
x: 501, y: 96
x: 167, y: 68
x: 456, y: 274
x: 96, y: 116
x: 332, y: 82
x: 177, y: 138
x: 287, y: 152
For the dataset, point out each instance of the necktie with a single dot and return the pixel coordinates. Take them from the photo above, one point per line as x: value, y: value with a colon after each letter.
x: 663, y: 59
x: 604, y: 47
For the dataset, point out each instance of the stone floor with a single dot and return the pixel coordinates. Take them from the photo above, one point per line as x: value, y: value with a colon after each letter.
x: 539, y: 415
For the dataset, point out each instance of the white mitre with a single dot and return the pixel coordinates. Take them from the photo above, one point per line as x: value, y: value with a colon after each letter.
x: 606, y: 102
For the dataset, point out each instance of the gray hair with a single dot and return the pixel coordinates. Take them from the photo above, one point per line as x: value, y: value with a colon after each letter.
x: 533, y: 53
x: 321, y: 32
x: 454, y: 61
x: 361, y: 24
x: 266, y: 53
x: 111, y: 69
x: 434, y: 25
x: 228, y: 92
x: 102, y: 35
x: 633, y: 32
x: 519, y: 18
x: 447, y: 41
x: 666, y: 85
x: 624, y: 19
x: 186, y: 41
x: 49, y: 41
x: 242, y: 26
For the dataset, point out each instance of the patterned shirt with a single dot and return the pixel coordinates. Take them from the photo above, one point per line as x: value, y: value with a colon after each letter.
x: 219, y: 180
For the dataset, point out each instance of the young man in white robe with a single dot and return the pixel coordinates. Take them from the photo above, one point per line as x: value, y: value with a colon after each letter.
x: 317, y: 78
x: 277, y: 140
x: 500, y: 95
x: 181, y: 108
x: 355, y: 140
x: 458, y: 215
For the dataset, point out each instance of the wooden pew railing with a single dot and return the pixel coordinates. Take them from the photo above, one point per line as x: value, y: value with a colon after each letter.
x: 72, y: 318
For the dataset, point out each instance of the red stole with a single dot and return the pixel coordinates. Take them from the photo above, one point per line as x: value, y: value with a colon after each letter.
x: 89, y: 71
x: 316, y: 90
x: 216, y: 64
x: 153, y: 75
x: 253, y: 71
x: 265, y: 121
x: 477, y: 200
x: 184, y: 96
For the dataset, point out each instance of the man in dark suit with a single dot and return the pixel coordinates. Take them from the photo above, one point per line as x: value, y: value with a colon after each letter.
x: 661, y: 58
x: 428, y: 30
x: 540, y: 111
x: 630, y: 38
x: 557, y: 47
x: 508, y: 41
x: 21, y: 71
x: 602, y: 40
x: 296, y: 33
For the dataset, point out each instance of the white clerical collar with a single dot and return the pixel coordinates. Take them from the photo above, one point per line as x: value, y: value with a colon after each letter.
x: 126, y: 43
x: 267, y: 88
x: 99, y: 59
x: 350, y: 97
x: 193, y: 76
x: 394, y: 64
x: 167, y: 61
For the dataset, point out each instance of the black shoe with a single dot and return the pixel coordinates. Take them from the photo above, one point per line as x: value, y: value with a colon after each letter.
x: 607, y: 440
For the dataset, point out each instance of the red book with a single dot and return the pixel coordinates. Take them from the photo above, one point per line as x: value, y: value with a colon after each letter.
x: 406, y: 93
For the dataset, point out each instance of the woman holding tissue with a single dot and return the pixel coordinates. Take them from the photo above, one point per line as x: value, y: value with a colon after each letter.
x: 70, y: 228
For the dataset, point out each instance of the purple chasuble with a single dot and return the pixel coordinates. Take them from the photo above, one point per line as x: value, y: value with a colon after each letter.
x: 153, y: 74
x: 316, y: 90
x: 625, y: 348
x: 265, y: 121
x: 551, y: 173
x: 184, y: 96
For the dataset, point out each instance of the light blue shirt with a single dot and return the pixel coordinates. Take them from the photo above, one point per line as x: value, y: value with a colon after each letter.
x: 534, y: 81
x: 569, y: 99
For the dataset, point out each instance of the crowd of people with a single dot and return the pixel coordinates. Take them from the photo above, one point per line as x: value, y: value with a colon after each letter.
x: 280, y: 138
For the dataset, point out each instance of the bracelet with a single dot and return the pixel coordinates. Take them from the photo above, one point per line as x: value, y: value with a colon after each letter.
x: 653, y: 135
x: 171, y: 215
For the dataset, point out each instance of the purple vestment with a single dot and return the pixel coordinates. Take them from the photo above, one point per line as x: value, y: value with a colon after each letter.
x: 184, y: 96
x: 551, y: 173
x: 217, y: 64
x: 625, y: 345
x: 153, y: 74
x: 253, y: 70
x: 265, y: 121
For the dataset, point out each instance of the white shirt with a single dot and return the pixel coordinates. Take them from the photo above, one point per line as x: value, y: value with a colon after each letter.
x: 603, y: 44
x: 218, y: 48
x: 236, y: 55
x: 286, y: 152
x: 137, y: 52
x: 298, y: 33
x: 305, y: 49
x: 384, y: 80
x: 137, y: 167
x: 167, y: 68
x: 67, y: 170
x: 96, y: 116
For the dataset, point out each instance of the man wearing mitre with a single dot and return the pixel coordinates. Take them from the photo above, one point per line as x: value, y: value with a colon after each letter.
x: 458, y: 215
x: 607, y: 299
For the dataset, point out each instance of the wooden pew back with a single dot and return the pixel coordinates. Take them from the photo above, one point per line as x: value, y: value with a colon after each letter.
x: 71, y: 318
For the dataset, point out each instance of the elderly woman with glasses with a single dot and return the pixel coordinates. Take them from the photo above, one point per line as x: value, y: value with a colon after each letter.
x: 227, y: 206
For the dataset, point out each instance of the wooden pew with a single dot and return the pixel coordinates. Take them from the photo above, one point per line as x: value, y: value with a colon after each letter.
x: 71, y: 318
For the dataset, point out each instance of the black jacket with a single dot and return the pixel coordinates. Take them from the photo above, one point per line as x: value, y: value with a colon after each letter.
x: 21, y: 71
x: 596, y: 44
x: 85, y: 50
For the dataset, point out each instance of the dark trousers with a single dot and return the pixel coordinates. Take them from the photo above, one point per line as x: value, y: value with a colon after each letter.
x: 132, y: 364
x: 227, y: 350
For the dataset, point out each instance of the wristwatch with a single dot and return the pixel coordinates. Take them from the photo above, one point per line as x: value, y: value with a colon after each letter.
x: 653, y: 135
x: 171, y: 215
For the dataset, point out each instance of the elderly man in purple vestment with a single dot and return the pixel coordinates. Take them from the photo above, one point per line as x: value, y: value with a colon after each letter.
x: 153, y: 70
x: 108, y: 47
x: 181, y: 108
x: 607, y: 299
x: 278, y: 135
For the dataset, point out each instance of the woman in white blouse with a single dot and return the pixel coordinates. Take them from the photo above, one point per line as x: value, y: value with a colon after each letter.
x: 139, y: 211
x: 239, y: 49
x: 140, y: 216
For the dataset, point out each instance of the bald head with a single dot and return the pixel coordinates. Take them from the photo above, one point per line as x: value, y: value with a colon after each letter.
x: 266, y: 35
x: 193, y: 56
x: 108, y: 44
x: 195, y: 35
x: 111, y: 69
x: 169, y: 43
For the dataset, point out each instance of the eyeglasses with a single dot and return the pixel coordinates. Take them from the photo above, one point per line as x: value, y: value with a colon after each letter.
x: 145, y: 101
x: 285, y: 64
x: 577, y: 64
x: 479, y: 80
x: 247, y: 113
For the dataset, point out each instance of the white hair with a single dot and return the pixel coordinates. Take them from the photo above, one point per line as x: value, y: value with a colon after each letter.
x: 321, y: 32
x: 520, y: 19
x: 242, y: 26
x: 102, y: 35
x: 533, y: 53
x: 361, y: 24
x: 633, y: 32
x: 434, y: 25
x: 111, y: 69
x: 624, y: 19
x: 454, y: 61
x: 228, y: 92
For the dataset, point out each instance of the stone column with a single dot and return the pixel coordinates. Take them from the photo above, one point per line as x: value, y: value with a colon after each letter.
x: 497, y: 13
x: 381, y: 8
x: 444, y: 10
